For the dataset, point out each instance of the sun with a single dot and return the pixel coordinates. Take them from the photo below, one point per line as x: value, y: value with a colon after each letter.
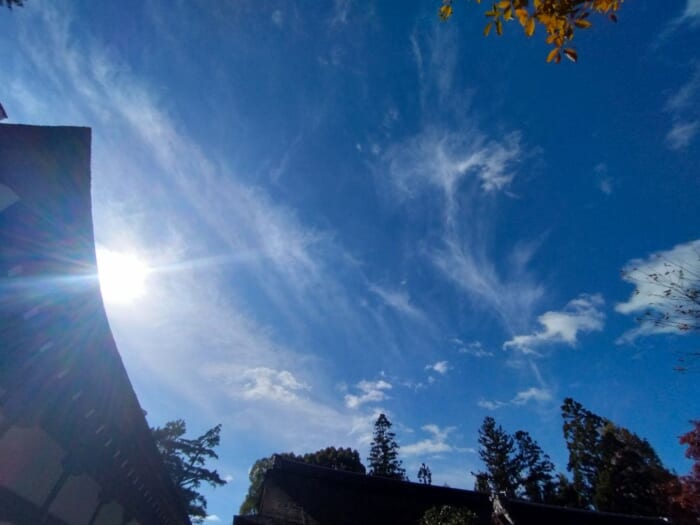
x: 122, y: 276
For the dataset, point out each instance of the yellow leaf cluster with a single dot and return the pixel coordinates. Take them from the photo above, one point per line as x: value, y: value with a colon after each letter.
x: 559, y: 18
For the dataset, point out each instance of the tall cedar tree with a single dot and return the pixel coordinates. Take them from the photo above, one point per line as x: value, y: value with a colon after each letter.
x: 582, y: 433
x: 185, y: 461
x: 515, y: 465
x: 613, y: 469
x: 497, y: 451
x: 424, y: 475
x: 330, y: 457
x: 384, y: 452
x: 536, y: 470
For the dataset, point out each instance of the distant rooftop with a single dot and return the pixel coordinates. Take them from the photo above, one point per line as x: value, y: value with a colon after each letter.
x: 299, y: 493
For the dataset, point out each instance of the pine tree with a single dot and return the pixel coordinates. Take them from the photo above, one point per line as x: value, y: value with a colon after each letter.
x: 185, y: 461
x: 384, y: 452
x: 536, y: 470
x: 424, y: 475
x: 582, y: 433
x: 497, y: 451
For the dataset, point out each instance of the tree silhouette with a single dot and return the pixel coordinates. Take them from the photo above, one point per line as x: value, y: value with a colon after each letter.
x: 497, y: 451
x: 689, y: 495
x: 515, y: 465
x: 384, y: 452
x: 330, y: 457
x: 185, y: 461
x: 613, y: 469
x: 536, y: 476
x: 424, y: 475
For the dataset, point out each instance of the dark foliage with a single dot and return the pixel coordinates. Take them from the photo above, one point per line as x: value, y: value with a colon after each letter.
x: 336, y: 458
x: 582, y: 433
x: 688, y: 494
x: 424, y: 475
x: 448, y: 515
x: 384, y: 452
x: 185, y: 461
x: 515, y: 465
x: 613, y: 469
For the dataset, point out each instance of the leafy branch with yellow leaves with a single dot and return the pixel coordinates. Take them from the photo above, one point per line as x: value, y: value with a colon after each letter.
x: 559, y: 18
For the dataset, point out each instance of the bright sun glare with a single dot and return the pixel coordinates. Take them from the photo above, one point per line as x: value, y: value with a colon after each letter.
x: 122, y: 276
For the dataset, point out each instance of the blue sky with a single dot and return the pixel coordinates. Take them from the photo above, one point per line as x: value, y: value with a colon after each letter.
x: 351, y: 207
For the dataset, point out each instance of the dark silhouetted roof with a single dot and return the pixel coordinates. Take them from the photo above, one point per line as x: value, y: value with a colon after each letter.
x: 296, y: 493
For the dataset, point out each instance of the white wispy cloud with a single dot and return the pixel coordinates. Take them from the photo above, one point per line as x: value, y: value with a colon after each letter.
x: 277, y: 18
x: 534, y: 394
x: 444, y: 159
x: 7, y: 197
x: 212, y: 517
x: 511, y: 294
x: 682, y: 134
x: 605, y: 182
x: 539, y: 395
x: 693, y: 8
x: 340, y: 12
x: 683, y: 107
x: 370, y: 392
x: 177, y: 200
x: 473, y: 348
x: 490, y: 404
x: 441, y: 367
x: 581, y: 315
x: 463, y: 170
x: 689, y: 17
x: 399, y: 300
x: 691, y: 13
x: 651, y: 277
x: 267, y: 383
x: 437, y: 443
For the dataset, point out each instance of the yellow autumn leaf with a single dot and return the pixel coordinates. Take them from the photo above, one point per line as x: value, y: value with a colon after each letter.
x: 499, y: 27
x: 530, y: 27
x: 503, y: 4
x: 583, y: 24
x: 522, y: 15
x: 553, y: 54
x: 445, y: 12
x: 487, y: 29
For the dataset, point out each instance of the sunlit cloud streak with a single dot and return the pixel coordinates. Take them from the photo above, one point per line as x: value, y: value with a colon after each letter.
x: 176, y: 202
x: 538, y: 395
x: 369, y: 392
x: 581, y: 315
